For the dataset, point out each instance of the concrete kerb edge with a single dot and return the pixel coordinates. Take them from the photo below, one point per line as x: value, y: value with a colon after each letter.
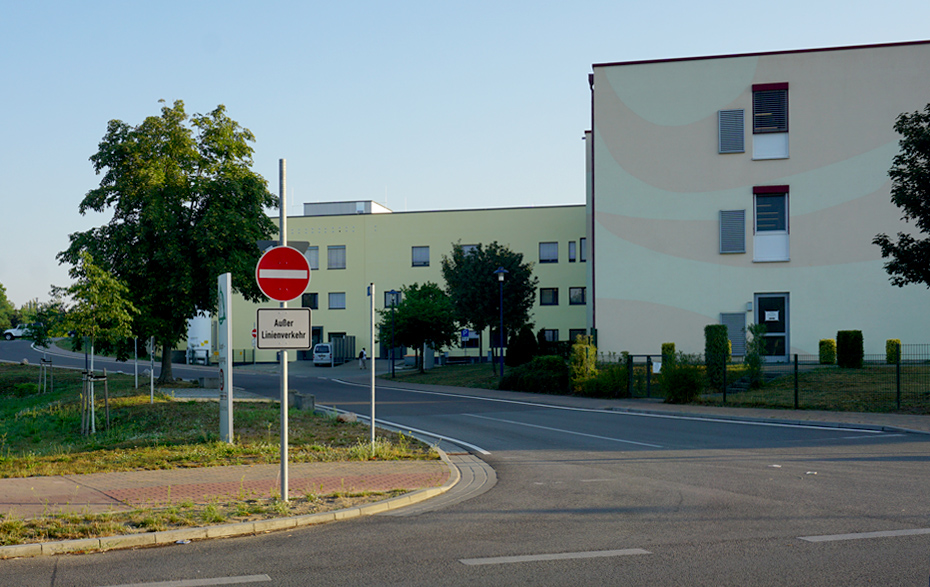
x: 877, y: 427
x: 229, y: 530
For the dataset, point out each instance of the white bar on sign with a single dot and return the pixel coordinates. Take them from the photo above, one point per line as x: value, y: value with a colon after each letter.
x: 282, y: 274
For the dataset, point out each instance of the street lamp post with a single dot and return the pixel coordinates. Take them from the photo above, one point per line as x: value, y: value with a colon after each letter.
x: 393, y: 293
x: 500, y: 279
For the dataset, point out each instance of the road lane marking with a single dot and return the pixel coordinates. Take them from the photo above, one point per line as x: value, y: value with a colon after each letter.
x: 503, y: 560
x: 864, y: 535
x: 402, y: 428
x: 565, y: 431
x: 201, y: 582
x: 625, y: 413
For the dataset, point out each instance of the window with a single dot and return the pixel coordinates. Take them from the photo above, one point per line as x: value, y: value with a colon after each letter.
x: 577, y: 296
x: 336, y: 257
x: 730, y: 131
x: 572, y: 251
x: 771, y: 212
x: 310, y: 300
x: 583, y: 244
x: 548, y: 296
x: 420, y: 256
x: 770, y: 223
x: 337, y: 300
x: 732, y: 231
x: 551, y: 335
x: 313, y: 257
x: 391, y: 300
x: 770, y: 121
x: 548, y: 252
x: 466, y: 249
x: 769, y: 108
x: 574, y: 333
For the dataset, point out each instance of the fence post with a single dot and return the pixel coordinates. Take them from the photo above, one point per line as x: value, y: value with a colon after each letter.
x: 648, y: 375
x: 796, y: 406
x: 897, y: 376
x: 629, y: 375
x: 724, y: 361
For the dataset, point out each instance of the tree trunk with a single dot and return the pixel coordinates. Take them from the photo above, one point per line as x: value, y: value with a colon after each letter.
x: 166, y: 375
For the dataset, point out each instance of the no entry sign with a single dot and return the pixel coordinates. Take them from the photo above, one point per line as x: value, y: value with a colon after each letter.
x: 282, y: 274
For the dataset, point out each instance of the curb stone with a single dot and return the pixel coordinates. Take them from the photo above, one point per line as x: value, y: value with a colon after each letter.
x: 733, y: 418
x: 104, y: 543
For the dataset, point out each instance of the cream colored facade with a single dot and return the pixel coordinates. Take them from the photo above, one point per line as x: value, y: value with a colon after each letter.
x: 812, y: 198
x: 379, y: 247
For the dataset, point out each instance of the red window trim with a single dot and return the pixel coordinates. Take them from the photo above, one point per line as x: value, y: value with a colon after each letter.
x: 765, y: 87
x: 770, y: 189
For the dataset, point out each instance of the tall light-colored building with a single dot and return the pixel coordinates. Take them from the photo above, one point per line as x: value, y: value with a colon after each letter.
x: 747, y: 189
x: 352, y: 244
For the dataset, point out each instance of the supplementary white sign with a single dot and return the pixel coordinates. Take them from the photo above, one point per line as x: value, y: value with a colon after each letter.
x: 284, y: 328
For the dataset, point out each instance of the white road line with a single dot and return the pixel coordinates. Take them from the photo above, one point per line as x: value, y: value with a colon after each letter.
x: 201, y: 582
x: 621, y: 413
x: 503, y: 560
x: 864, y: 535
x: 402, y: 427
x: 565, y: 431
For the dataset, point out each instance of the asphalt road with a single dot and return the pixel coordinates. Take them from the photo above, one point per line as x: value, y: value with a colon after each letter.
x: 585, y: 497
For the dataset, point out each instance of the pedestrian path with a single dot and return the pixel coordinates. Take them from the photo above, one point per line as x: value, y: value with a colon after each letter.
x: 104, y: 492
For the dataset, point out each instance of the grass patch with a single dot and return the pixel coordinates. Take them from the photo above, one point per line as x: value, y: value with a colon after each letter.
x: 40, y: 433
x: 479, y: 375
x: 71, y: 525
x: 872, y: 388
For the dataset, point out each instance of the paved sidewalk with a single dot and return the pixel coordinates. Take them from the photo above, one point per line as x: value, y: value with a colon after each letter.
x: 103, y: 492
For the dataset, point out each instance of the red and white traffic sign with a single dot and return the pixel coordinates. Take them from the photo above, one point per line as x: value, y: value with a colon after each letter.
x: 283, y: 273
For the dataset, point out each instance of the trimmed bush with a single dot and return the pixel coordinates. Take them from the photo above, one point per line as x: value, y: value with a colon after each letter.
x: 548, y: 374
x: 716, y: 353
x: 683, y: 380
x: 583, y: 362
x: 827, y: 351
x: 892, y: 351
x: 849, y: 349
x: 609, y: 382
x: 755, y: 354
x: 668, y: 352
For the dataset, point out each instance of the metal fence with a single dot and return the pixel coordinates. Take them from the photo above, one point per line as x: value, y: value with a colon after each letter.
x: 801, y: 382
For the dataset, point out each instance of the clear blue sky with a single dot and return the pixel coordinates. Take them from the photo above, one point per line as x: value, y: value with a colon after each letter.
x: 417, y: 105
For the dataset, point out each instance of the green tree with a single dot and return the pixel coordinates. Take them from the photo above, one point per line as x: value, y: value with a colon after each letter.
x: 6, y: 310
x: 475, y: 291
x: 186, y: 208
x: 99, y: 309
x: 910, y: 191
x: 423, y: 316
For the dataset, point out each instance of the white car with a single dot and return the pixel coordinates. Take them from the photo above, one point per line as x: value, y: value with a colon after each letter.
x: 323, y: 354
x: 17, y: 332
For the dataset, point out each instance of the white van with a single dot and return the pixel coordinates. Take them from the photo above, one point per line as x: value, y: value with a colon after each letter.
x: 323, y: 354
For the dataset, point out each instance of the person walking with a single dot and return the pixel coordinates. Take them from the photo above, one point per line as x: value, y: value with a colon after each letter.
x: 361, y: 359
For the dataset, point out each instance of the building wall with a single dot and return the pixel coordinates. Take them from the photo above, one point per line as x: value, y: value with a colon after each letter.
x: 658, y: 184
x: 379, y: 249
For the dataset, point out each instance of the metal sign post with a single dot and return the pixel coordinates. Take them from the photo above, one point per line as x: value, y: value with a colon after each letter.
x: 224, y: 346
x: 371, y: 293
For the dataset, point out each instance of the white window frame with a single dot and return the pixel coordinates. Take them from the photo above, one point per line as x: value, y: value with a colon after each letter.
x: 335, y: 260
x: 337, y: 300
x: 549, y: 252
x: 419, y: 256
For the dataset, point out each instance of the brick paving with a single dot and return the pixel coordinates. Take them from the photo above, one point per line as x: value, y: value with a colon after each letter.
x: 100, y: 492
